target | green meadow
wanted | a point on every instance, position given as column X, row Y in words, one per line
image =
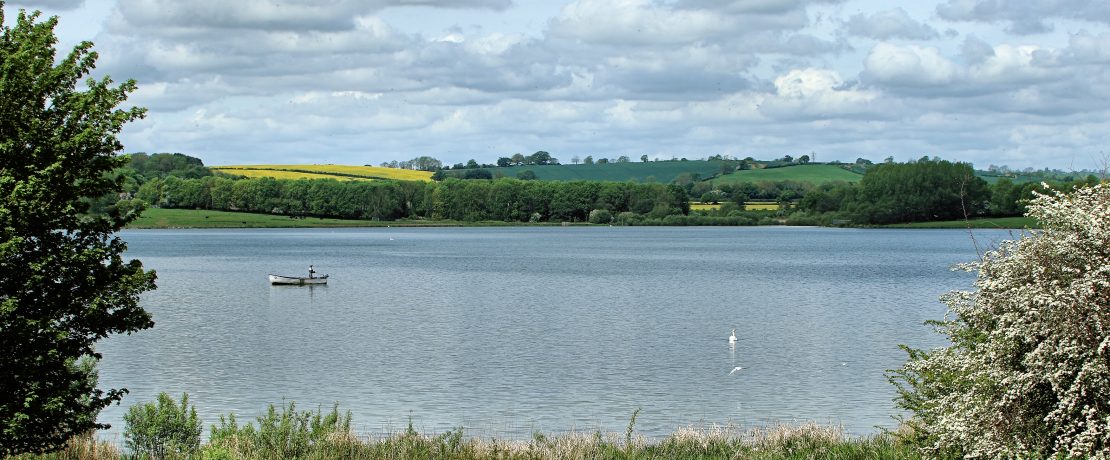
column 653, row 171
column 816, row 174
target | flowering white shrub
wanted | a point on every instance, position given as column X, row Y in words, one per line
column 1027, row 373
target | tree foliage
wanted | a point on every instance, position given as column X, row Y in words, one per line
column 63, row 281
column 1027, row 373
column 166, row 164
column 920, row 191
column 502, row 199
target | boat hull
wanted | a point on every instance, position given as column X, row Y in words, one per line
column 297, row 280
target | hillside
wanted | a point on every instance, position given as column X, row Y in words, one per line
column 817, row 174
column 338, row 172
column 654, row 171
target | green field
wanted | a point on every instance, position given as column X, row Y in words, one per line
column 816, row 174
column 979, row 222
column 653, row 171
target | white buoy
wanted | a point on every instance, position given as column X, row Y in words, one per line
column 732, row 338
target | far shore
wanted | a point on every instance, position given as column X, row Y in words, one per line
column 159, row 218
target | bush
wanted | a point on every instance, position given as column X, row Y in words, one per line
column 628, row 218
column 286, row 434
column 600, row 216
column 1027, row 373
column 162, row 429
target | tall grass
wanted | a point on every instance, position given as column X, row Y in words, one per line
column 84, row 447
column 286, row 433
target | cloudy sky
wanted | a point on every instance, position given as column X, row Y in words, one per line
column 1024, row 83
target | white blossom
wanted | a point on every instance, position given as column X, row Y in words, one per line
column 1027, row 373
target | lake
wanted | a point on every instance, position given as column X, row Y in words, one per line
column 507, row 331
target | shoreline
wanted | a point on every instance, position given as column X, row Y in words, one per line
column 171, row 219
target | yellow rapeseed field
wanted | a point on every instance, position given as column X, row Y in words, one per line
column 749, row 206
column 335, row 171
column 704, row 207
column 279, row 174
column 761, row 206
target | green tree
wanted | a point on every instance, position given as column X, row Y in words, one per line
column 478, row 174
column 644, row 158
column 1026, row 372
column 713, row 196
column 920, row 191
column 600, row 216
column 426, row 163
column 63, row 281
column 541, row 158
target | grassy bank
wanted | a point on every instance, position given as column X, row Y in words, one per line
column 191, row 218
column 982, row 222
column 781, row 442
column 199, row 218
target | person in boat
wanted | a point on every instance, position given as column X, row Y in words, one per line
column 311, row 272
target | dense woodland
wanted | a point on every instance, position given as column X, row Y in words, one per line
column 916, row 191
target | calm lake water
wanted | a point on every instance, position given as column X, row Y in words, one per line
column 505, row 331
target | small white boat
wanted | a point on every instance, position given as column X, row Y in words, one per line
column 299, row 280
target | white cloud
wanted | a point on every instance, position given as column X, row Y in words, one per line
column 770, row 7
column 910, row 65
column 63, row 5
column 1025, row 16
column 975, row 50
column 817, row 93
column 885, row 25
column 1089, row 49
column 1009, row 64
column 637, row 22
column 271, row 14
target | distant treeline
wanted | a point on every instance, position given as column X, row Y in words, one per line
column 501, row 200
